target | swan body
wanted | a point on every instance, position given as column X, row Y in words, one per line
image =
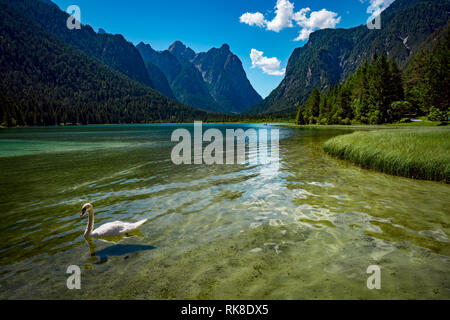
column 111, row 229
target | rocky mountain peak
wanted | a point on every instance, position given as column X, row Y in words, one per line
column 179, row 50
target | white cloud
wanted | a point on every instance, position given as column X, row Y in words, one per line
column 378, row 6
column 269, row 66
column 381, row 3
column 285, row 16
column 253, row 19
column 317, row 20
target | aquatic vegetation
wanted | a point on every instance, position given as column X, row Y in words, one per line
column 420, row 153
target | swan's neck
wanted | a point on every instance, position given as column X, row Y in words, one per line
column 90, row 225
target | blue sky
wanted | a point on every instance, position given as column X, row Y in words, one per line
column 203, row 24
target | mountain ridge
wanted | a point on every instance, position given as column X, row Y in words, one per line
column 45, row 81
column 113, row 50
column 218, row 76
column 331, row 55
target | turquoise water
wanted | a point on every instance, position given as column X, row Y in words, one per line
column 306, row 230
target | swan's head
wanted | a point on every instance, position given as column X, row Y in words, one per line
column 85, row 208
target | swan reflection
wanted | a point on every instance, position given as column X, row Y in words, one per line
column 114, row 250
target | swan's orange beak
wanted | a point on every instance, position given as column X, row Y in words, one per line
column 83, row 212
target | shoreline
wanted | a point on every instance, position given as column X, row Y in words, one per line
column 415, row 154
column 278, row 123
column 142, row 124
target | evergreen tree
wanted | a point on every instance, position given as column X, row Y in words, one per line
column 312, row 106
column 416, row 83
column 438, row 75
column 299, row 120
column 360, row 94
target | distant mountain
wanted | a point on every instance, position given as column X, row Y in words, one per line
column 157, row 76
column 113, row 50
column 226, row 79
column 184, row 79
column 213, row 80
column 331, row 55
column 179, row 50
column 45, row 81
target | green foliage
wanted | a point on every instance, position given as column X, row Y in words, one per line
column 436, row 114
column 398, row 109
column 427, row 79
column 46, row 82
column 375, row 93
column 405, row 120
column 113, row 50
column 366, row 97
column 420, row 154
column 299, row 119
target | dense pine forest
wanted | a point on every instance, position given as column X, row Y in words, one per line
column 46, row 82
column 378, row 92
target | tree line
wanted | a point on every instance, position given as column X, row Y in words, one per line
column 379, row 92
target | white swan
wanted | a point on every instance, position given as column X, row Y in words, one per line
column 111, row 229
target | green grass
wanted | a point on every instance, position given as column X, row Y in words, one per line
column 420, row 153
column 424, row 123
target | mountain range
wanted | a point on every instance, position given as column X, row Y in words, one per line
column 331, row 55
column 216, row 80
column 51, row 75
column 213, row 80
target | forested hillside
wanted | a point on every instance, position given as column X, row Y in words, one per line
column 112, row 50
column 44, row 81
column 378, row 92
column 332, row 55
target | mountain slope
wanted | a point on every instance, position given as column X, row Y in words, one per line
column 331, row 55
column 157, row 76
column 44, row 81
column 159, row 80
column 226, row 79
column 184, row 79
column 213, row 80
column 113, row 50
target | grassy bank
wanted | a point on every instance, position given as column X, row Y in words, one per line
column 419, row 154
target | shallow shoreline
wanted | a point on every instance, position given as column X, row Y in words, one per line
column 417, row 154
column 144, row 124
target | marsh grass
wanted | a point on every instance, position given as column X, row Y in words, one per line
column 420, row 154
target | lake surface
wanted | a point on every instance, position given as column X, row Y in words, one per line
column 308, row 229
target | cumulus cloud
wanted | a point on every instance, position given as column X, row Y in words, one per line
column 285, row 16
column 377, row 6
column 269, row 66
column 317, row 20
column 253, row 19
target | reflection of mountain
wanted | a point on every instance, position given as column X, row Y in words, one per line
column 213, row 80
column 331, row 55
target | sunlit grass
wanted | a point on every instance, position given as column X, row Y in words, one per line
column 419, row 154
